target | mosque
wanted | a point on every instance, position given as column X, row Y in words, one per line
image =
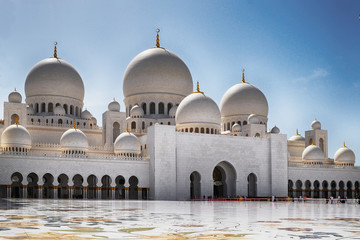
column 170, row 143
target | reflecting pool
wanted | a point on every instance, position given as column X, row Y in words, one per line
column 86, row 219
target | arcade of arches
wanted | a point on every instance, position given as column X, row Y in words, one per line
column 75, row 188
column 323, row 189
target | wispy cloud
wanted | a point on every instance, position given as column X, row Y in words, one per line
column 316, row 74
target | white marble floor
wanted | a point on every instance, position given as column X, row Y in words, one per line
column 69, row 219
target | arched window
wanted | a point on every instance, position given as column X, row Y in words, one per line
column 66, row 108
column 196, row 130
column 43, row 106
column 321, row 144
column 50, row 107
column 133, row 125
column 71, row 109
column 14, row 118
column 60, row 121
column 152, row 108
column 202, row 130
column 169, row 107
column 257, row 135
column 161, row 108
column 169, row 123
column 36, row 107
column 143, row 125
column 130, row 107
column 191, row 130
column 244, row 122
column 116, row 130
column 143, row 105
column 77, row 111
column 228, row 126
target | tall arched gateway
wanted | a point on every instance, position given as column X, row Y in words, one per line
column 224, row 180
column 195, row 186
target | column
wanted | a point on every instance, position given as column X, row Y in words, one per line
column 55, row 188
column 126, row 192
column 8, row 191
column 85, row 191
column 98, row 192
column 71, row 190
column 140, row 193
column 40, row 188
column 112, row 191
column 312, row 192
column 24, row 188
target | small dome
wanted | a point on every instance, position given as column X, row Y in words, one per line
column 297, row 137
column 236, row 128
column 244, row 99
column 313, row 153
column 86, row 115
column 136, row 111
column 315, row 124
column 253, row 119
column 344, row 155
column 30, row 110
column 198, row 110
column 15, row 97
column 275, row 130
column 59, row 111
column 114, row 106
column 157, row 70
column 74, row 140
column 94, row 121
column 16, row 136
column 127, row 143
column 54, row 77
column 172, row 112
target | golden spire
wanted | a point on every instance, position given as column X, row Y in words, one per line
column 198, row 88
column 297, row 132
column 344, row 145
column 55, row 51
column 157, row 38
column 17, row 120
column 312, row 141
column 74, row 125
column 127, row 128
column 243, row 75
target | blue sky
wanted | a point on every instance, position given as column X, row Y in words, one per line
column 303, row 55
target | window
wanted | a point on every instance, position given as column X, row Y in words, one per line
column 161, row 108
column 152, row 108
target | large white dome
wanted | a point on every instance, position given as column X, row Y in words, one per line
column 313, row 153
column 157, row 70
column 54, row 77
column 74, row 140
column 198, row 110
column 127, row 143
column 16, row 136
column 244, row 99
column 344, row 155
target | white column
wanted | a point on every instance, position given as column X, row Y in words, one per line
column 85, row 192
column 139, row 193
column 126, row 192
column 24, row 189
column 71, row 190
column 55, row 188
column 40, row 188
column 112, row 187
column 8, row 191
column 98, row 192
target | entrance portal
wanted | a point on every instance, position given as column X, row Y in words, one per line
column 224, row 180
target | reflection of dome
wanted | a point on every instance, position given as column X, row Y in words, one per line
column 315, row 124
column 157, row 70
column 275, row 130
column 136, row 112
column 236, row 128
column 253, row 119
column 74, row 141
column 86, row 115
column 114, row 106
column 172, row 111
column 16, row 138
column 127, row 143
column 313, row 153
column 15, row 97
column 59, row 110
column 244, row 99
column 344, row 156
column 197, row 110
column 54, row 77
column 29, row 110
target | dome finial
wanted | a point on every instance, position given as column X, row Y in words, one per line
column 127, row 128
column 55, row 50
column 16, row 120
column 14, row 89
column 297, row 132
column 74, row 125
column 344, row 145
column 243, row 75
column 312, row 141
column 157, row 38
column 198, row 88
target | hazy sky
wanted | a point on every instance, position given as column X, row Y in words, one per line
column 303, row 55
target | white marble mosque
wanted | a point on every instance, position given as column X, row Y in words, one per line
column 170, row 142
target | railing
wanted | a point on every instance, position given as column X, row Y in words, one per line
column 304, row 165
column 63, row 125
